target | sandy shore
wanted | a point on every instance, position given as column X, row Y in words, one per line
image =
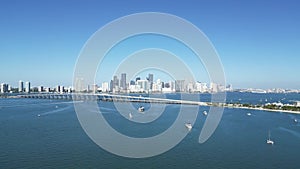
column 262, row 109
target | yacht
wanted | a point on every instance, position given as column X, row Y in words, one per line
column 141, row 109
column 269, row 141
column 188, row 126
column 205, row 113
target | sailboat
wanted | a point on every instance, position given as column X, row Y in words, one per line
column 269, row 141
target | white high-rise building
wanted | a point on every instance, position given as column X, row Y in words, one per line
column 214, row 87
column 21, row 86
column 144, row 85
column 201, row 87
column 27, row 87
column 105, row 87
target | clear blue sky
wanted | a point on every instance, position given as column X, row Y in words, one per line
column 258, row 41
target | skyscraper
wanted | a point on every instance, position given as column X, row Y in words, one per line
column 123, row 81
column 179, row 85
column 150, row 79
column 111, row 86
column 116, row 82
column 27, row 87
column 4, row 88
column 21, row 86
column 143, row 84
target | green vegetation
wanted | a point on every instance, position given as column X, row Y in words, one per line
column 291, row 108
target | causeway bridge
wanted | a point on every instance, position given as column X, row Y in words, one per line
column 108, row 97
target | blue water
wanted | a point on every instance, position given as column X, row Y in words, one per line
column 56, row 139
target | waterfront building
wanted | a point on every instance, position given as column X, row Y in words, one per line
column 144, row 85
column 214, row 87
column 115, row 82
column 190, row 87
column 150, row 79
column 111, row 86
column 105, row 87
column 179, row 86
column 47, row 89
column 70, row 89
column 40, row 89
column 4, row 88
column 201, row 87
column 27, row 87
column 57, row 89
column 94, row 88
column 123, row 81
column 21, row 86
column 62, row 89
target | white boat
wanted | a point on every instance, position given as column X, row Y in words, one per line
column 39, row 115
column 141, row 109
column 205, row 113
column 269, row 141
column 188, row 126
column 130, row 115
column 295, row 120
column 249, row 114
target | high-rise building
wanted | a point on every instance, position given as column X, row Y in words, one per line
column 21, row 86
column 111, row 86
column 179, row 85
column 40, row 89
column 57, row 89
column 143, row 84
column 27, row 87
column 95, row 88
column 4, row 88
column 123, row 81
column 105, row 87
column 116, row 81
column 214, row 87
column 62, row 89
column 150, row 79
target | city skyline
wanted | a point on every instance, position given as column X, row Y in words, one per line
column 138, row 84
column 257, row 41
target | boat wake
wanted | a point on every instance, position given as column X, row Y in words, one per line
column 56, row 110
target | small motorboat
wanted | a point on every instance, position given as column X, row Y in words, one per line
column 205, row 113
column 130, row 115
column 39, row 115
column 249, row 114
column 141, row 109
column 295, row 120
column 188, row 126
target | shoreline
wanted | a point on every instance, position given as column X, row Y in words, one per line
column 264, row 109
